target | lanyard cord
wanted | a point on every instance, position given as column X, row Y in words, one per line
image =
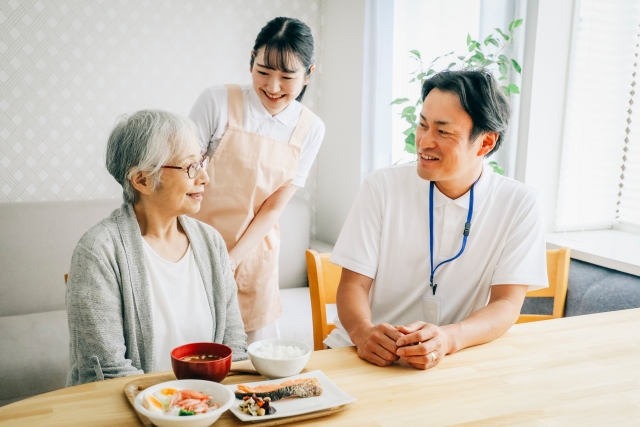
column 467, row 227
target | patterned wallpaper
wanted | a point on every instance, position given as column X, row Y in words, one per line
column 68, row 68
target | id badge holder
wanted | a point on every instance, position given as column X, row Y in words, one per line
column 430, row 309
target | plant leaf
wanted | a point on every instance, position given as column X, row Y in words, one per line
column 409, row 110
column 421, row 76
column 503, row 68
column 412, row 80
column 410, row 144
column 506, row 37
column 409, row 131
column 471, row 47
column 516, row 66
column 503, row 59
column 461, row 58
column 450, row 65
column 469, row 39
column 416, row 53
column 506, row 90
column 515, row 24
column 494, row 42
column 431, row 71
column 399, row 101
column 513, row 88
column 502, row 78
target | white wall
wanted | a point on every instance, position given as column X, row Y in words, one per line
column 68, row 69
column 340, row 106
column 544, row 85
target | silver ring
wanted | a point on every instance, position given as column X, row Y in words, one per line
column 433, row 353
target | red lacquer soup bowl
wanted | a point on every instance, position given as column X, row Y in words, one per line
column 201, row 361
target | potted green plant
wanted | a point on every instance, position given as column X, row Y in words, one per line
column 486, row 55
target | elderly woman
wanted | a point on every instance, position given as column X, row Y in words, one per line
column 149, row 278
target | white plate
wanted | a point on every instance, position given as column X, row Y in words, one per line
column 331, row 397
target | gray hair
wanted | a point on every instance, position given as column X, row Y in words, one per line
column 143, row 142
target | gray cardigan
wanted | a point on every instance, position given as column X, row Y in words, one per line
column 108, row 303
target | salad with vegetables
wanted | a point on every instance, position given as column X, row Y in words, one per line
column 172, row 401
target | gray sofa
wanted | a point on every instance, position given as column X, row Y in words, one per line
column 592, row 289
column 36, row 243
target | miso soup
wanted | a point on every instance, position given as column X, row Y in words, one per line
column 200, row 358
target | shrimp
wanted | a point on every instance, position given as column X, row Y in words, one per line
column 191, row 400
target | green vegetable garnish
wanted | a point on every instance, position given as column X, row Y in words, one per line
column 185, row 412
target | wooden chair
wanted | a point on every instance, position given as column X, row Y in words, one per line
column 323, row 286
column 558, row 272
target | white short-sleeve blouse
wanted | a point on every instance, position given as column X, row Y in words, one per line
column 211, row 115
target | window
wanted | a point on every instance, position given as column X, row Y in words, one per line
column 432, row 27
column 599, row 184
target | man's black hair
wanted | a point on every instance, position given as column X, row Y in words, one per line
column 479, row 96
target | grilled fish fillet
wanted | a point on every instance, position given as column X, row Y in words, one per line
column 304, row 387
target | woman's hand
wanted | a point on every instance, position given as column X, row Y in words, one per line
column 423, row 345
column 232, row 264
column 262, row 223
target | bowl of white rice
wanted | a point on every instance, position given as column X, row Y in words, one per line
column 279, row 358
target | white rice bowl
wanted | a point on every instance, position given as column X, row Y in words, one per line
column 279, row 358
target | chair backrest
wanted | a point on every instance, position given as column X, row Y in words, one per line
column 324, row 278
column 558, row 271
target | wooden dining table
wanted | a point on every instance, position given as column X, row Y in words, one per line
column 576, row 371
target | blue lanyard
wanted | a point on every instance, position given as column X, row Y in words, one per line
column 467, row 227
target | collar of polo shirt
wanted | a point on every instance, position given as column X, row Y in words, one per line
column 481, row 191
column 259, row 112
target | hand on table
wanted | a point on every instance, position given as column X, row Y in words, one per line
column 377, row 343
column 419, row 340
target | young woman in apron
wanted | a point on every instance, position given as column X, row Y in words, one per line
column 262, row 142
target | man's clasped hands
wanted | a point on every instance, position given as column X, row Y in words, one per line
column 420, row 344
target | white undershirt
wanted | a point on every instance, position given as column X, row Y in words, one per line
column 386, row 237
column 179, row 307
column 210, row 113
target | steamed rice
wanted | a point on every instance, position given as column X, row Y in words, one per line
column 270, row 351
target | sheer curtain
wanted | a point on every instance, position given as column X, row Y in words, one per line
column 376, row 85
column 599, row 183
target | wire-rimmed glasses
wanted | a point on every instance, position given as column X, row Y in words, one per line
column 194, row 168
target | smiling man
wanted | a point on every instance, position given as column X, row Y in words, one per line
column 440, row 260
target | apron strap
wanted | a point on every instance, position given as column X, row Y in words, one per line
column 302, row 128
column 235, row 106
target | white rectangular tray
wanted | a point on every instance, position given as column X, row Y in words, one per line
column 331, row 397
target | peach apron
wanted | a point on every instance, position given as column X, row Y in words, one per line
column 245, row 170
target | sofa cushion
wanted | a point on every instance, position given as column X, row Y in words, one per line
column 296, row 322
column 34, row 354
column 595, row 289
column 36, row 244
column 295, row 226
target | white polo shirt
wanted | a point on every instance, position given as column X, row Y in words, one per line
column 386, row 237
column 211, row 115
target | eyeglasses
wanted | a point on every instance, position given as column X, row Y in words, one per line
column 194, row 168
